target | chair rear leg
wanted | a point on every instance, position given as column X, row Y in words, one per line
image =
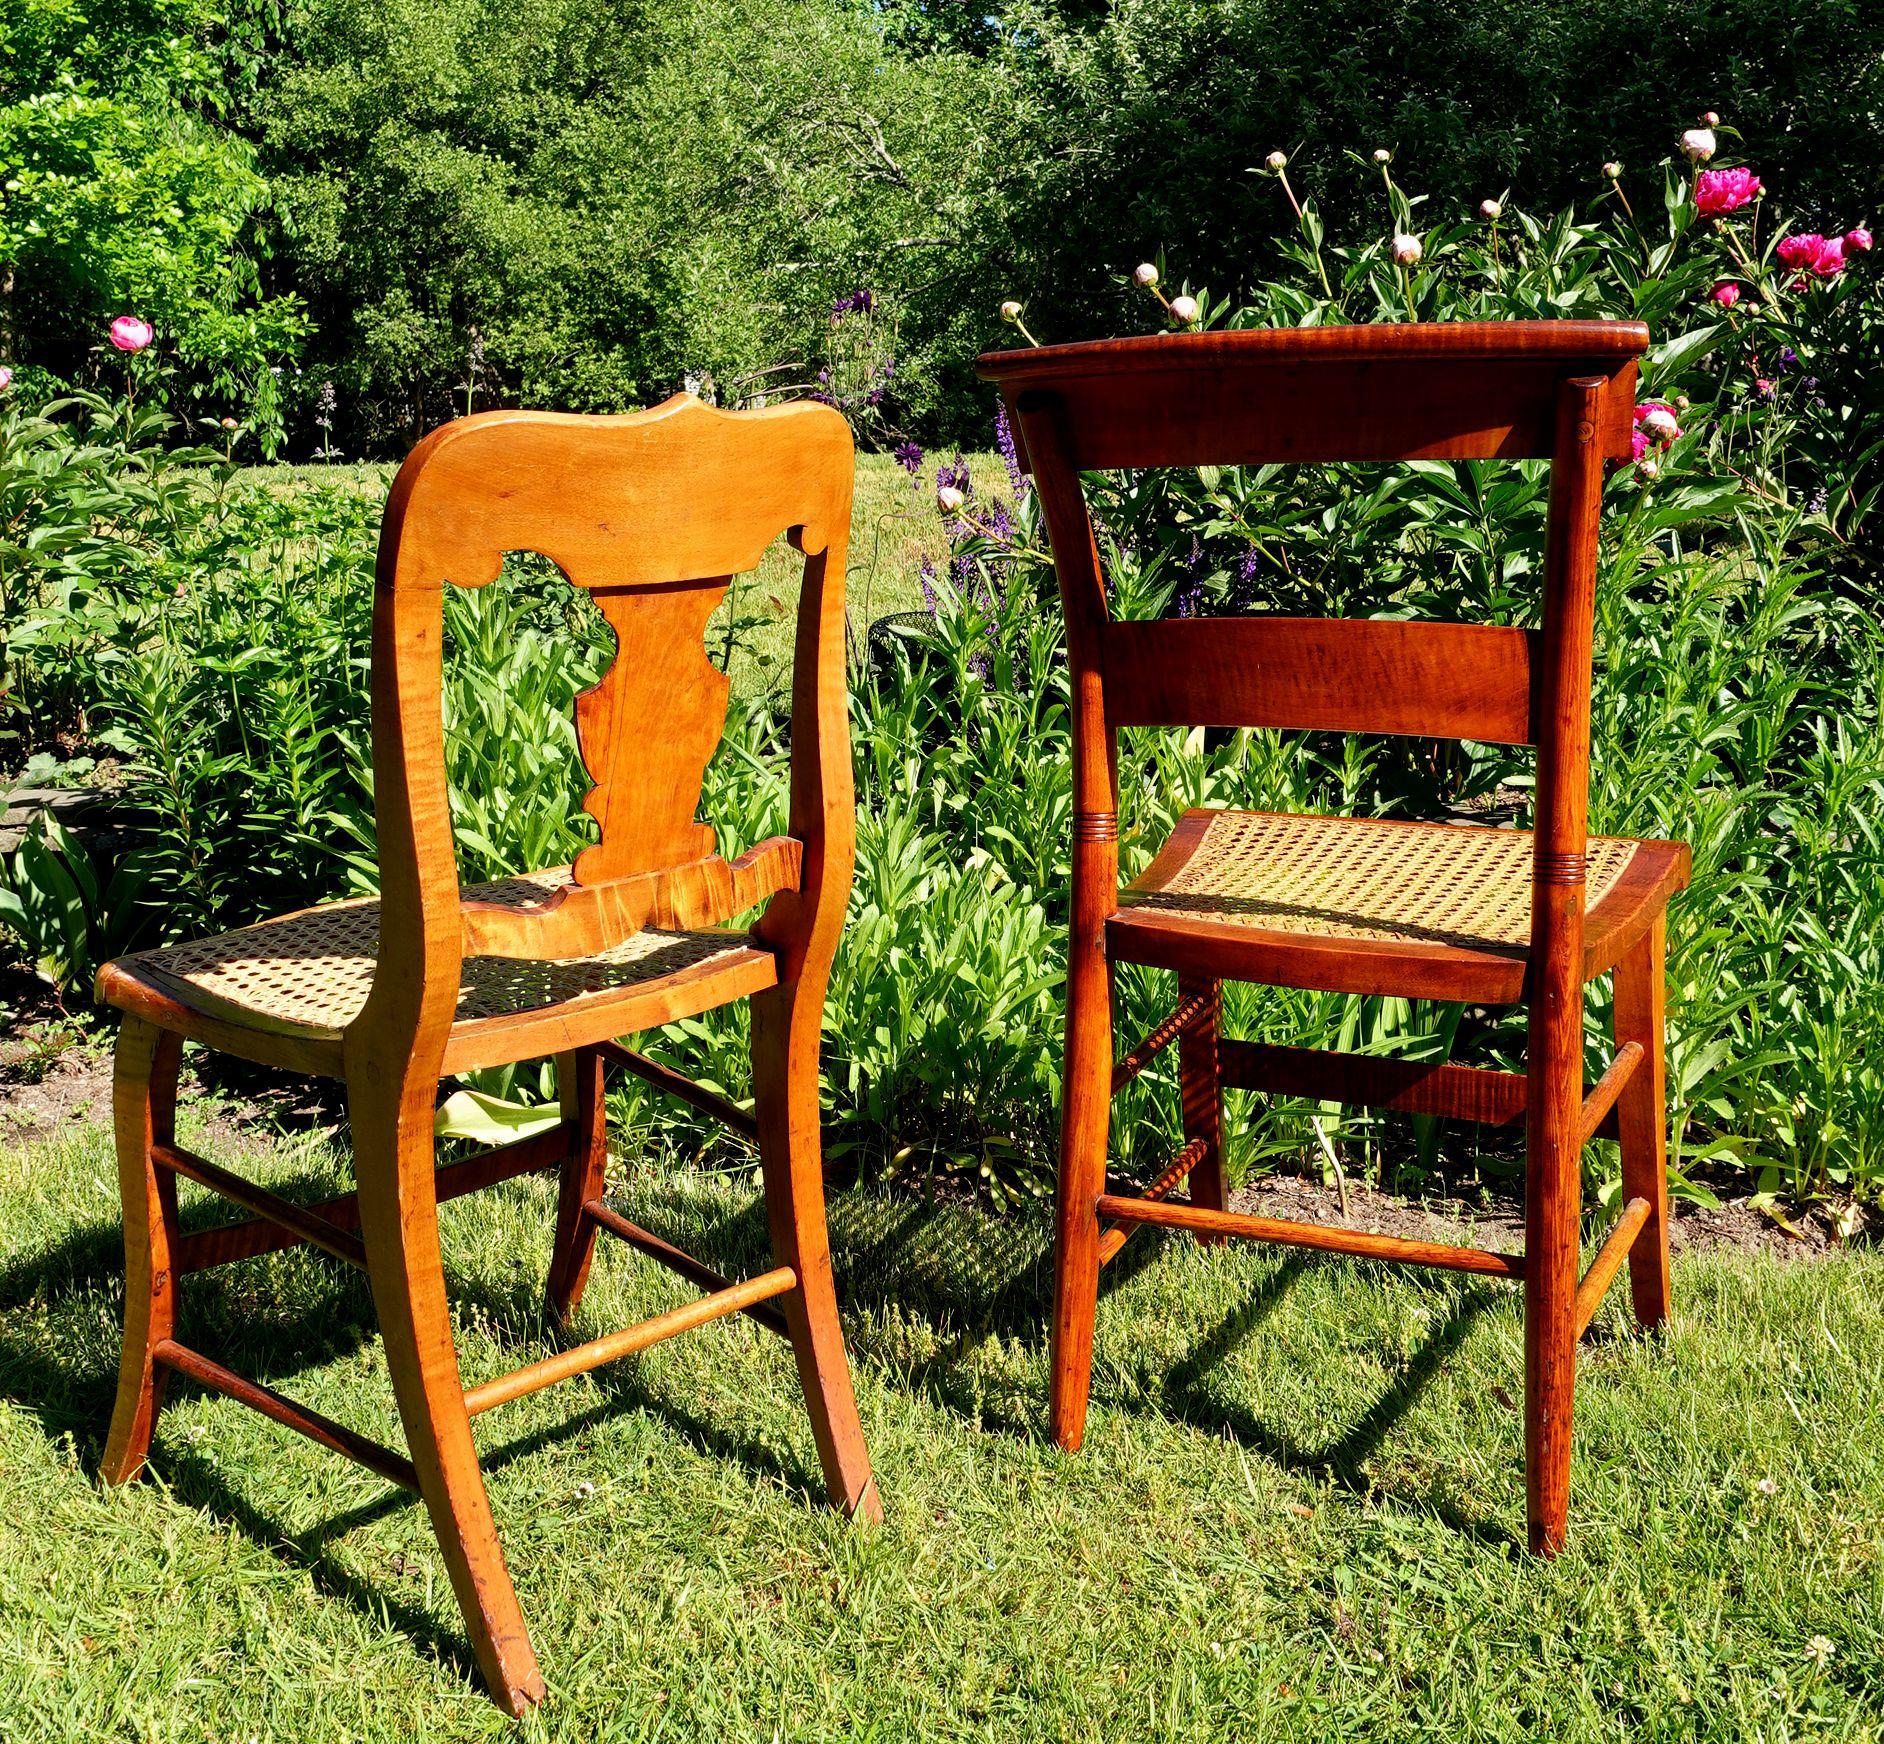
column 584, row 1177
column 1085, row 1128
column 393, row 1151
column 1201, row 1078
column 787, row 1023
column 144, row 1104
column 1642, row 1118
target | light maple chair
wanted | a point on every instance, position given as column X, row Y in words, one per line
column 652, row 514
column 1424, row 911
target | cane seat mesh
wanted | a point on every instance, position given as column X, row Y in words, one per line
column 1463, row 885
column 315, row 968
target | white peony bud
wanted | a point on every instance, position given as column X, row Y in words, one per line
column 1383, row 156
column 1648, row 468
column 1277, row 162
column 1490, row 209
column 1699, row 144
column 1660, row 423
column 1710, row 119
column 949, row 500
column 1010, row 311
column 1184, row 310
column 1407, row 249
column 1146, row 277
column 1613, row 170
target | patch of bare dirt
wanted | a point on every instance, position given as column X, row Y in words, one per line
column 1497, row 1221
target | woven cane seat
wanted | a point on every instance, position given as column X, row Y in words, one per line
column 1306, row 892
column 310, row 973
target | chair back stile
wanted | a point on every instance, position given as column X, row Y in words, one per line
column 651, row 514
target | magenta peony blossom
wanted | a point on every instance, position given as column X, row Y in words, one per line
column 1721, row 191
column 6, row 378
column 1654, row 423
column 1859, row 240
column 1822, row 256
column 1726, row 293
column 130, row 333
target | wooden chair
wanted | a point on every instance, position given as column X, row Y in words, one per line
column 652, row 514
column 1427, row 911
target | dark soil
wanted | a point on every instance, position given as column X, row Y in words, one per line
column 1498, row 1221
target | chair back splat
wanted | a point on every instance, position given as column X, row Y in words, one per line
column 1346, row 905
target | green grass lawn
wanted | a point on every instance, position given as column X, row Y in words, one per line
column 1297, row 1515
column 894, row 524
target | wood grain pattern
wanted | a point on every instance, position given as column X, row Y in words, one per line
column 201, row 1249
column 1349, row 675
column 1608, row 1261
column 1642, row 1116
column 581, row 1358
column 1323, row 1237
column 651, row 513
column 1561, row 391
column 1432, row 391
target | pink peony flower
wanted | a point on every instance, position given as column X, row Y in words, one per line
column 130, row 333
column 6, row 378
column 1726, row 293
column 1822, row 256
column 1859, row 240
column 1720, row 191
column 1654, row 422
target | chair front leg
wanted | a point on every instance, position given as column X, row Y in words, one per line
column 1085, row 1131
column 584, row 1177
column 143, row 1105
column 787, row 1024
column 393, row 1151
column 1553, row 1190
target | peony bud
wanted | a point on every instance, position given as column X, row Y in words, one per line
column 230, row 424
column 1648, row 468
column 1010, row 311
column 1682, row 402
column 1383, row 156
column 1613, row 170
column 1407, row 249
column 1710, row 119
column 6, row 378
column 1859, row 240
column 949, row 499
column 1726, row 293
column 1660, row 423
column 1146, row 277
column 1699, row 144
column 1277, row 163
column 130, row 333
column 1184, row 310
column 1491, row 210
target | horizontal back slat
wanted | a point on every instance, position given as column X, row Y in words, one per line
column 1355, row 675
column 1438, row 392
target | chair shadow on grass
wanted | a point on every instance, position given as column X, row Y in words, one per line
column 971, row 1277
